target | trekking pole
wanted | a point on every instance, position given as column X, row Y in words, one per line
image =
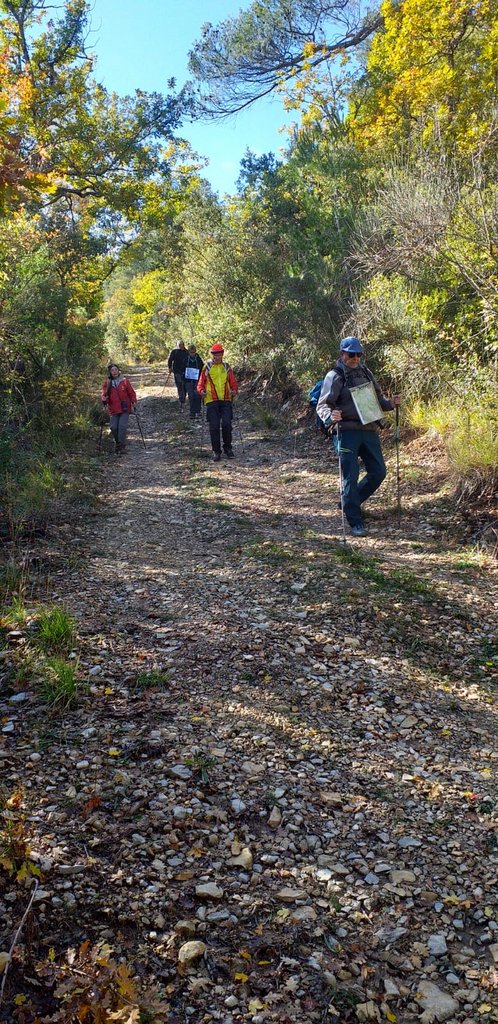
column 165, row 385
column 341, row 484
column 140, row 429
column 203, row 424
column 239, row 428
column 398, row 476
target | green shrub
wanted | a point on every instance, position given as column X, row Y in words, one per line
column 469, row 435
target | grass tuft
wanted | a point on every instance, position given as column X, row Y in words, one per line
column 55, row 630
column 369, row 569
column 153, row 680
column 15, row 614
column 58, row 684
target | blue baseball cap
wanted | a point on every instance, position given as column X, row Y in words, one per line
column 351, row 345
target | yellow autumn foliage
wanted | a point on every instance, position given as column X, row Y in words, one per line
column 432, row 69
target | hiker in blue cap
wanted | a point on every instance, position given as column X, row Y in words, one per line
column 352, row 400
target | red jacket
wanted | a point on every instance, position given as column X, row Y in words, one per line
column 118, row 399
column 207, row 385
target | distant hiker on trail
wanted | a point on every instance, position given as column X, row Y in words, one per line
column 217, row 385
column 192, row 374
column 119, row 399
column 176, row 363
column 352, row 399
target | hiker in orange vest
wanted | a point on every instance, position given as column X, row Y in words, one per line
column 217, row 385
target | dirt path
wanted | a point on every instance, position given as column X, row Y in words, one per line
column 288, row 748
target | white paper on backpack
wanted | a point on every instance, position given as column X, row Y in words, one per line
column 366, row 403
column 191, row 373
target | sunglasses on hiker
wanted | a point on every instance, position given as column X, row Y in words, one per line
column 353, row 355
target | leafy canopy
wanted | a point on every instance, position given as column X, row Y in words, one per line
column 273, row 41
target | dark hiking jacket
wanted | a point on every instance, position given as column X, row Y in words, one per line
column 178, row 360
column 336, row 394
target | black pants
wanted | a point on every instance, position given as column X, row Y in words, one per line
column 220, row 413
column 193, row 397
column 180, row 387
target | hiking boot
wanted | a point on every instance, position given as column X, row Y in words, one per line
column 358, row 531
column 230, row 454
column 216, row 456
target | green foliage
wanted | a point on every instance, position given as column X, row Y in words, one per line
column 55, row 630
column 155, row 679
column 15, row 613
column 395, row 578
column 57, row 683
column 201, row 763
column 271, row 42
column 469, row 427
column 271, row 551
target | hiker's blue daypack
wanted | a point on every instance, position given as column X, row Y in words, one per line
column 314, row 393
column 313, row 396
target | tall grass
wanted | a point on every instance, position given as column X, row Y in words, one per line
column 55, row 630
column 469, row 435
column 58, row 683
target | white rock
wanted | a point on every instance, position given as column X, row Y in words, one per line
column 251, row 768
column 438, row 1005
column 243, row 860
column 398, row 877
column 209, row 891
column 436, row 945
column 368, row 1011
column 191, row 951
column 179, row 771
column 288, row 895
column 407, row 841
column 391, row 988
column 339, row 869
column 4, row 960
column 238, row 806
column 275, row 817
column 35, row 757
column 302, row 914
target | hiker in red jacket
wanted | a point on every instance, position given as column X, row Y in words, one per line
column 119, row 399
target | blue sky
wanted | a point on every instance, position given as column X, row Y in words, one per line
column 140, row 44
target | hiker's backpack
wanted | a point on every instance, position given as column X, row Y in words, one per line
column 314, row 393
column 313, row 396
